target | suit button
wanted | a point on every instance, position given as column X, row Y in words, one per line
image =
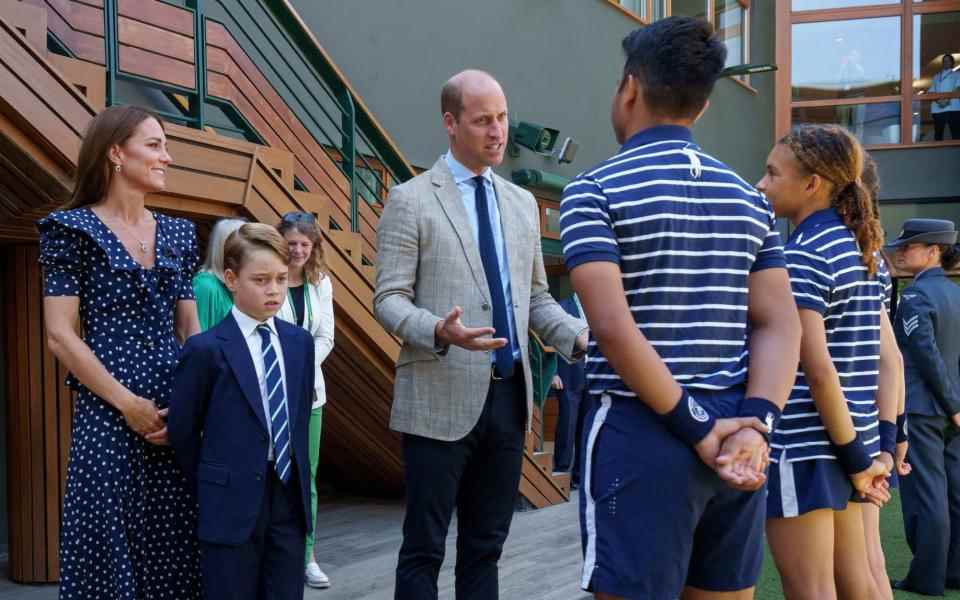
column 259, row 477
column 264, row 437
column 485, row 306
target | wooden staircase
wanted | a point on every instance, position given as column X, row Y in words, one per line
column 41, row 122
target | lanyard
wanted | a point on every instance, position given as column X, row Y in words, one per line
column 579, row 306
column 308, row 324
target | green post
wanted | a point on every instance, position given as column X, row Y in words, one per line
column 348, row 152
column 199, row 62
column 110, row 48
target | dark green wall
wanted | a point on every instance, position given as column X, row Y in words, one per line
column 559, row 62
column 918, row 182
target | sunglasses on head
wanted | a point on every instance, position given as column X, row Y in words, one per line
column 298, row 217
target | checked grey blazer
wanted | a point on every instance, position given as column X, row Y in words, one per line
column 428, row 262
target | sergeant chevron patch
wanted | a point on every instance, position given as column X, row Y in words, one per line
column 909, row 325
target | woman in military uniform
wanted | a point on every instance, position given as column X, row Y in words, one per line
column 927, row 326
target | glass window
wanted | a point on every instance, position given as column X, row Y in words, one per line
column 637, row 7
column 873, row 124
column 689, row 8
column 730, row 21
column 936, row 121
column 934, row 35
column 820, row 4
column 846, row 59
column 553, row 220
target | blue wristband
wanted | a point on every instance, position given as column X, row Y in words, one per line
column 888, row 437
column 763, row 409
column 901, row 428
column 688, row 420
column 853, row 456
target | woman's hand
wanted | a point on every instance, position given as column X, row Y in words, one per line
column 142, row 415
column 871, row 483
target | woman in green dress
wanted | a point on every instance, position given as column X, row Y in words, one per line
column 213, row 298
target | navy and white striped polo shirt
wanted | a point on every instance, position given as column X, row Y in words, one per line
column 828, row 276
column 686, row 232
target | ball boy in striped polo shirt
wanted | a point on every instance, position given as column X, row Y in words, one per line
column 681, row 275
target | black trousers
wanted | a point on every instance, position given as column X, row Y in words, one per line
column 931, row 504
column 940, row 120
column 479, row 476
column 268, row 566
column 569, row 421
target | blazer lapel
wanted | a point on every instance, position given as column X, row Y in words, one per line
column 450, row 200
column 293, row 374
column 238, row 357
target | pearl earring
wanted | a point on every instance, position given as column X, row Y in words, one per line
column 116, row 168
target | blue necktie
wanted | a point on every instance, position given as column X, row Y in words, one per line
column 491, row 267
column 277, row 401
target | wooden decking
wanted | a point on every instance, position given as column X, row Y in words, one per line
column 358, row 540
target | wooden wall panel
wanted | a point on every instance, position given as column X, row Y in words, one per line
column 40, row 410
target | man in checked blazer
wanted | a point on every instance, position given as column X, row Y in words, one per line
column 460, row 279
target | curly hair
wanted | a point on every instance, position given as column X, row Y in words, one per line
column 836, row 156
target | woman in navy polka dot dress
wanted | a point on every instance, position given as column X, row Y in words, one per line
column 128, row 520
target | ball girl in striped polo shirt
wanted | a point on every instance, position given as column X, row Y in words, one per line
column 891, row 401
column 824, row 447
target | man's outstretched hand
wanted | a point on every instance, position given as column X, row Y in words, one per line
column 451, row 331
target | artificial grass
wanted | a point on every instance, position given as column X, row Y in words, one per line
column 894, row 547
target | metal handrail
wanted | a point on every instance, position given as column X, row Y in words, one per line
column 353, row 126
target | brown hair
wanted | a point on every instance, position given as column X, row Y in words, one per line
column 871, row 181
column 950, row 256
column 832, row 153
column 315, row 268
column 250, row 237
column 111, row 127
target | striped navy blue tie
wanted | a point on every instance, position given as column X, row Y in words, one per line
column 277, row 401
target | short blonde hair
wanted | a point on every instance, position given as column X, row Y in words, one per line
column 218, row 236
column 250, row 237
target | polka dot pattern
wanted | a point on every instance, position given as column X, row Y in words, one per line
column 128, row 530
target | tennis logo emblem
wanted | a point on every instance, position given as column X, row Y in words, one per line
column 769, row 422
column 696, row 411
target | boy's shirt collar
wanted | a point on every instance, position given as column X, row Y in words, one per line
column 248, row 325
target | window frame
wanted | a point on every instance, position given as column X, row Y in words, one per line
column 906, row 10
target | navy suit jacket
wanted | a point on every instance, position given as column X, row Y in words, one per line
column 572, row 375
column 218, row 430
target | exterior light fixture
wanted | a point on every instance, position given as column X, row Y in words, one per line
column 534, row 137
column 749, row 69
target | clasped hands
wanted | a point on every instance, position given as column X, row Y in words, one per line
column 736, row 449
column 143, row 416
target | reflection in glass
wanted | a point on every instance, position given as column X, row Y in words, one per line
column 637, row 7
column 553, row 219
column 846, row 59
column 933, row 36
column 689, row 8
column 926, row 127
column 818, row 4
column 873, row 124
column 730, row 23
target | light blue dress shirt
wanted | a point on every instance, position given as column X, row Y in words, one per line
column 463, row 177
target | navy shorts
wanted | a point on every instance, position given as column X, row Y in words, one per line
column 796, row 488
column 653, row 517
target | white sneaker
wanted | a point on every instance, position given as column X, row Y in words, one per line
column 315, row 577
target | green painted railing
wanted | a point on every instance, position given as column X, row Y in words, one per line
column 323, row 101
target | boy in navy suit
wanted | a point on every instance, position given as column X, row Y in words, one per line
column 238, row 424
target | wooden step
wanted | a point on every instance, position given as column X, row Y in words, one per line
column 369, row 272
column 545, row 460
column 563, row 480
column 318, row 204
column 349, row 242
